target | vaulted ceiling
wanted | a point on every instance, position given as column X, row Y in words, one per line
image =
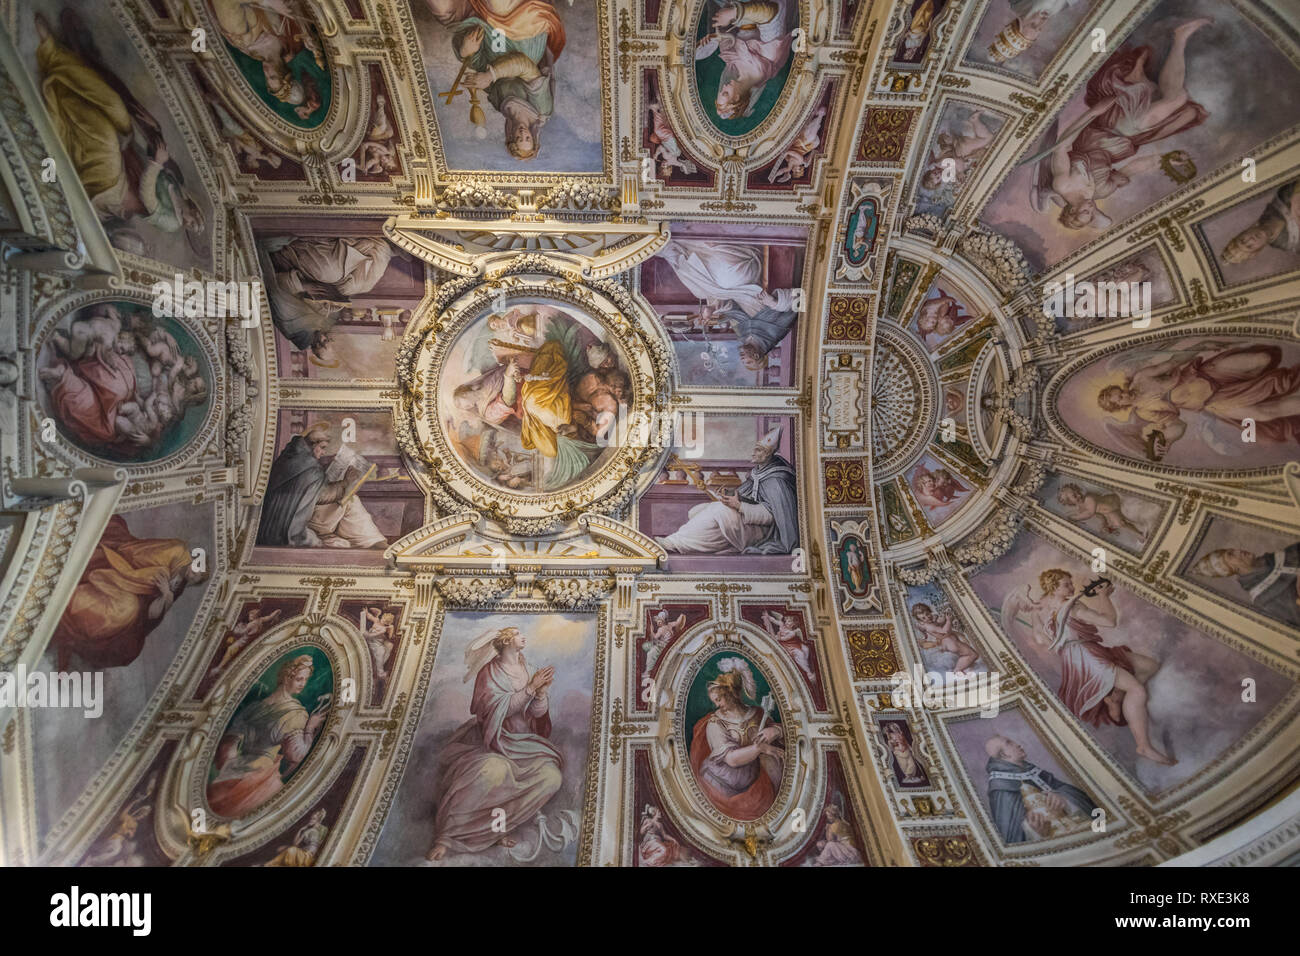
column 736, row 359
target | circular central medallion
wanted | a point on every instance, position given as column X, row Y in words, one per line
column 533, row 397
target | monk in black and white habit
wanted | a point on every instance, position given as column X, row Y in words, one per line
column 308, row 505
column 1027, row 802
column 761, row 518
column 1271, row 580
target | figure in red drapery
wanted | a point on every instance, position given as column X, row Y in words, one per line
column 736, row 752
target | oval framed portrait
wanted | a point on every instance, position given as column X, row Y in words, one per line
column 272, row 732
column 734, row 739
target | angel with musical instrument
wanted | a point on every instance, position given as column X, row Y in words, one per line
column 1100, row 683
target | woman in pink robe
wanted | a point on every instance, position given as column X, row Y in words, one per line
column 85, row 394
column 1231, row 384
column 1100, row 683
column 500, row 760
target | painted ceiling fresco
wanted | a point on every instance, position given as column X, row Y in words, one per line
column 613, row 417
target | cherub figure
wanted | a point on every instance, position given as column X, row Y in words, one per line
column 944, row 632
column 1083, row 505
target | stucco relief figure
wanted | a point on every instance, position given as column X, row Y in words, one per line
column 1127, row 110
column 1029, row 803
column 1100, row 683
column 127, row 589
column 309, row 505
column 499, row 765
column 266, row 741
column 761, row 518
column 737, row 750
column 115, row 144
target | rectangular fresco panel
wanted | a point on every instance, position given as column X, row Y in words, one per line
column 516, row 87
column 503, row 736
column 1124, row 668
column 962, row 136
column 941, row 632
column 1016, row 776
column 1122, row 518
column 1258, row 238
column 1169, row 105
column 1024, row 35
column 730, row 297
column 733, row 507
column 1255, row 568
column 340, row 295
column 338, row 492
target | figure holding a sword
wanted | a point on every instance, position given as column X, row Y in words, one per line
column 1101, row 151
